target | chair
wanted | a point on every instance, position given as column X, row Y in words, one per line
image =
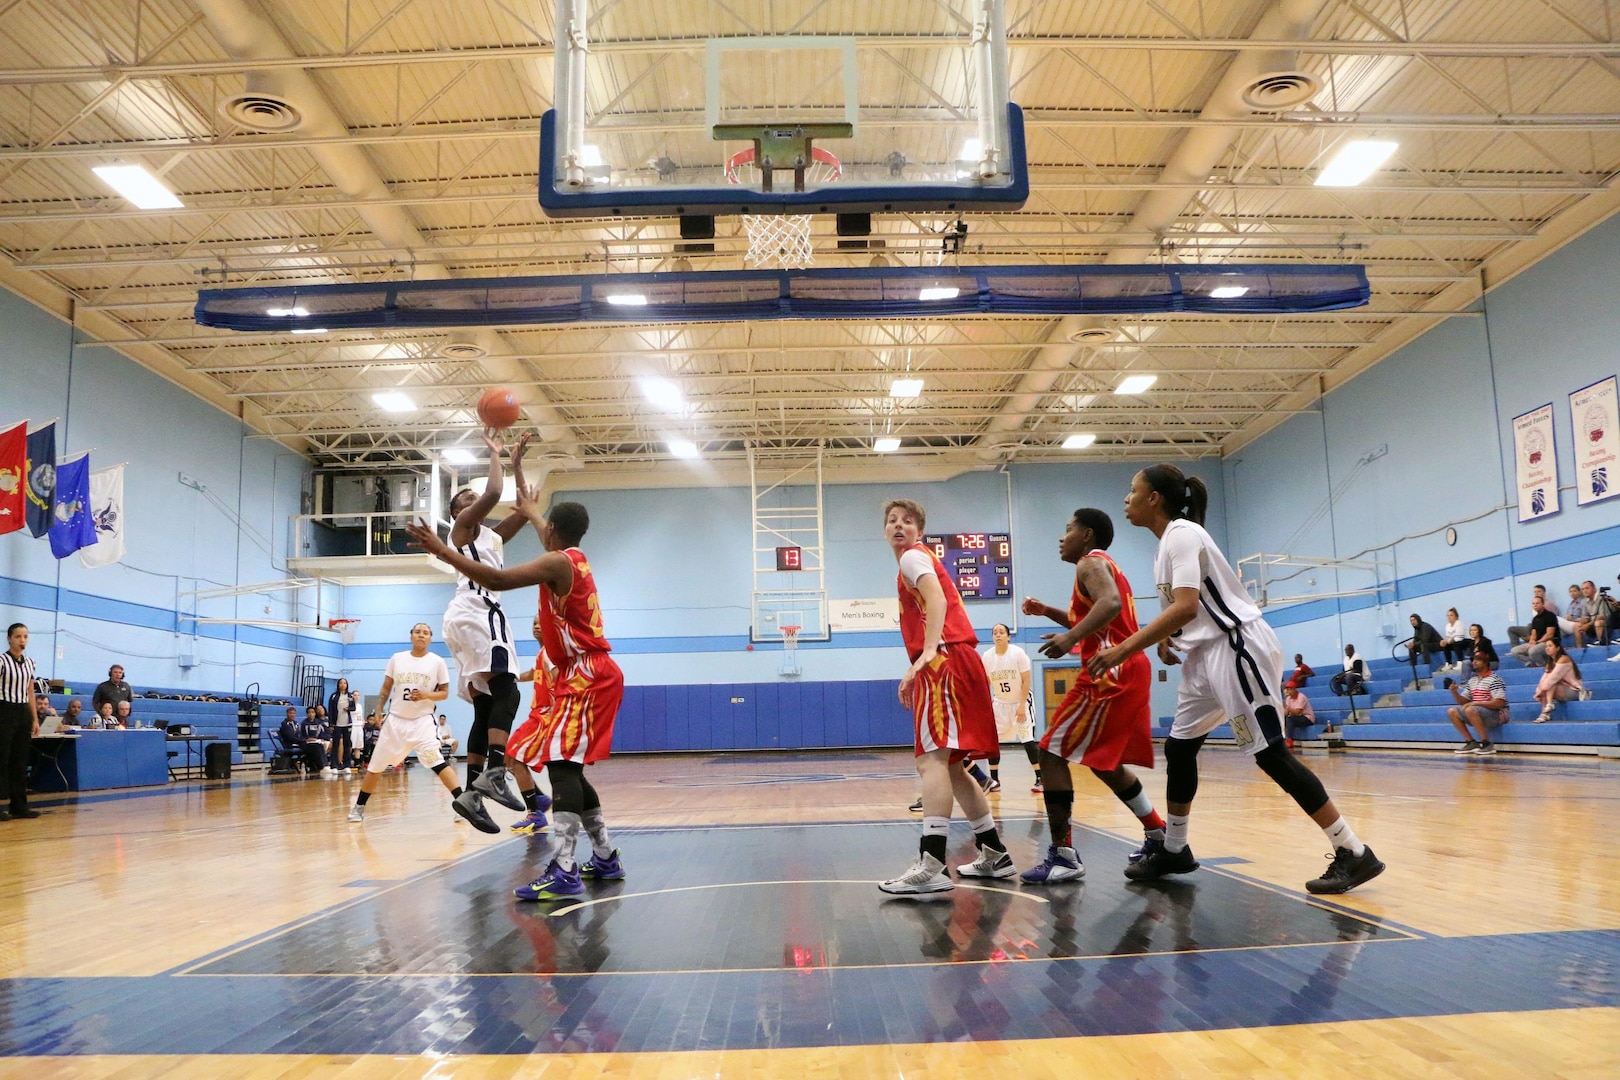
column 283, row 760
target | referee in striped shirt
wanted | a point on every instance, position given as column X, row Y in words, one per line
column 18, row 724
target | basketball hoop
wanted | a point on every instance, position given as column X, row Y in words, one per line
column 346, row 628
column 790, row 650
column 781, row 238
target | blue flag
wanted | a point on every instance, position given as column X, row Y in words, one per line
column 72, row 527
column 41, row 473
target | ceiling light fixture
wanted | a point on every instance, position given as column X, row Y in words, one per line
column 479, row 484
column 906, row 388
column 1355, row 161
column 393, row 401
column 137, row 185
column 312, row 330
column 886, row 445
column 627, row 300
column 458, row 455
column 683, row 448
column 283, row 312
column 1135, row 384
column 939, row 292
column 1229, row 292
column 1079, row 441
column 663, row 394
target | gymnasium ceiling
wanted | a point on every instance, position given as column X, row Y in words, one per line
column 417, row 158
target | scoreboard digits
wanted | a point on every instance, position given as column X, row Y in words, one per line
column 980, row 564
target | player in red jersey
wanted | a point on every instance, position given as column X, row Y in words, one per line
column 540, row 675
column 949, row 697
column 1105, row 723
column 577, row 729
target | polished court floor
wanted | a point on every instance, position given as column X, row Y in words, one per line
column 245, row 929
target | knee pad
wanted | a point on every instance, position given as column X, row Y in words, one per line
column 1292, row 775
column 567, row 786
column 504, row 699
column 1181, row 769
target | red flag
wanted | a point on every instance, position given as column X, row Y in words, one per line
column 13, row 459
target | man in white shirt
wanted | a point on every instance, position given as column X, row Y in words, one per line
column 412, row 683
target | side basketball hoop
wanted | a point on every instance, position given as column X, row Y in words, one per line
column 780, row 238
column 346, row 628
column 790, row 651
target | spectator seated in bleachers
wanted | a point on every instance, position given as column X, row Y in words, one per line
column 1302, row 671
column 1599, row 608
column 304, row 738
column 104, row 716
column 123, row 712
column 1576, row 621
column 1518, row 634
column 1455, row 643
column 1532, row 651
column 1298, row 716
column 1354, row 675
column 1425, row 640
column 1561, row 681
column 43, row 707
column 1478, row 642
column 73, row 715
column 1481, row 704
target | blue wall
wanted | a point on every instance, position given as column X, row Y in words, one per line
column 178, row 539
column 1442, row 408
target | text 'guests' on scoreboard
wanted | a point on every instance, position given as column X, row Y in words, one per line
column 980, row 564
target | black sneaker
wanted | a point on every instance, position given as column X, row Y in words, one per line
column 1346, row 871
column 1156, row 864
column 1468, row 747
column 916, row 806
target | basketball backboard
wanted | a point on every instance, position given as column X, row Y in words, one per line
column 641, row 131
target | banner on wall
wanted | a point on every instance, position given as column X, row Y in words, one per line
column 71, row 528
column 13, row 469
column 107, row 515
column 1535, row 463
column 1594, row 417
column 877, row 613
column 41, row 478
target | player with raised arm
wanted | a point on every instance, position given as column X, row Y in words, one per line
column 577, row 728
column 949, row 697
column 413, row 682
column 1233, row 671
column 480, row 640
column 1104, row 722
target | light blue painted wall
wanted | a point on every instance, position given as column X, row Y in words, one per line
column 178, row 538
column 1443, row 408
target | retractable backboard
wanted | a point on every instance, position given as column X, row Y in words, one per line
column 917, row 117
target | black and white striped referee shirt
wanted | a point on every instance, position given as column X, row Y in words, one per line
column 16, row 679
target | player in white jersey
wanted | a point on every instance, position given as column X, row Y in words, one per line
column 1233, row 670
column 414, row 681
column 480, row 640
column 1007, row 667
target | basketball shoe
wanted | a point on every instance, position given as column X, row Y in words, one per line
column 990, row 863
column 608, row 869
column 555, row 884
column 1061, row 864
column 1346, row 871
column 1161, row 861
column 470, row 805
column 927, row 875
column 357, row 813
column 529, row 824
column 499, row 785
column 1150, row 844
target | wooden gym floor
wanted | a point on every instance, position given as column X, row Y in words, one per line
column 245, row 929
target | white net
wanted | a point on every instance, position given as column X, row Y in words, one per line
column 346, row 629
column 778, row 239
column 790, row 651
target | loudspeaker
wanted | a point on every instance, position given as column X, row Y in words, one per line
column 697, row 227
column 217, row 760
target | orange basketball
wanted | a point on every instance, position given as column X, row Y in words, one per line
column 498, row 408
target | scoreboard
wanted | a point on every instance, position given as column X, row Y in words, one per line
column 980, row 564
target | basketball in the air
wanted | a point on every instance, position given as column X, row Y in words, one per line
column 498, row 408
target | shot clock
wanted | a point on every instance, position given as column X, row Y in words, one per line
column 980, row 564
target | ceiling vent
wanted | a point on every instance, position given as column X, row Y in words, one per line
column 262, row 106
column 1279, row 90
column 1091, row 335
column 462, row 348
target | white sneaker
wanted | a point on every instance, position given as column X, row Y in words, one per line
column 329, row 772
column 1615, row 659
column 357, row 813
column 990, row 863
column 927, row 875
column 1584, row 695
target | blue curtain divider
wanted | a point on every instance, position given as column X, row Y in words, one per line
column 857, row 293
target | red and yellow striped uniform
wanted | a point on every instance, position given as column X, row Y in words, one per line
column 576, row 723
column 950, row 698
column 1105, row 723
